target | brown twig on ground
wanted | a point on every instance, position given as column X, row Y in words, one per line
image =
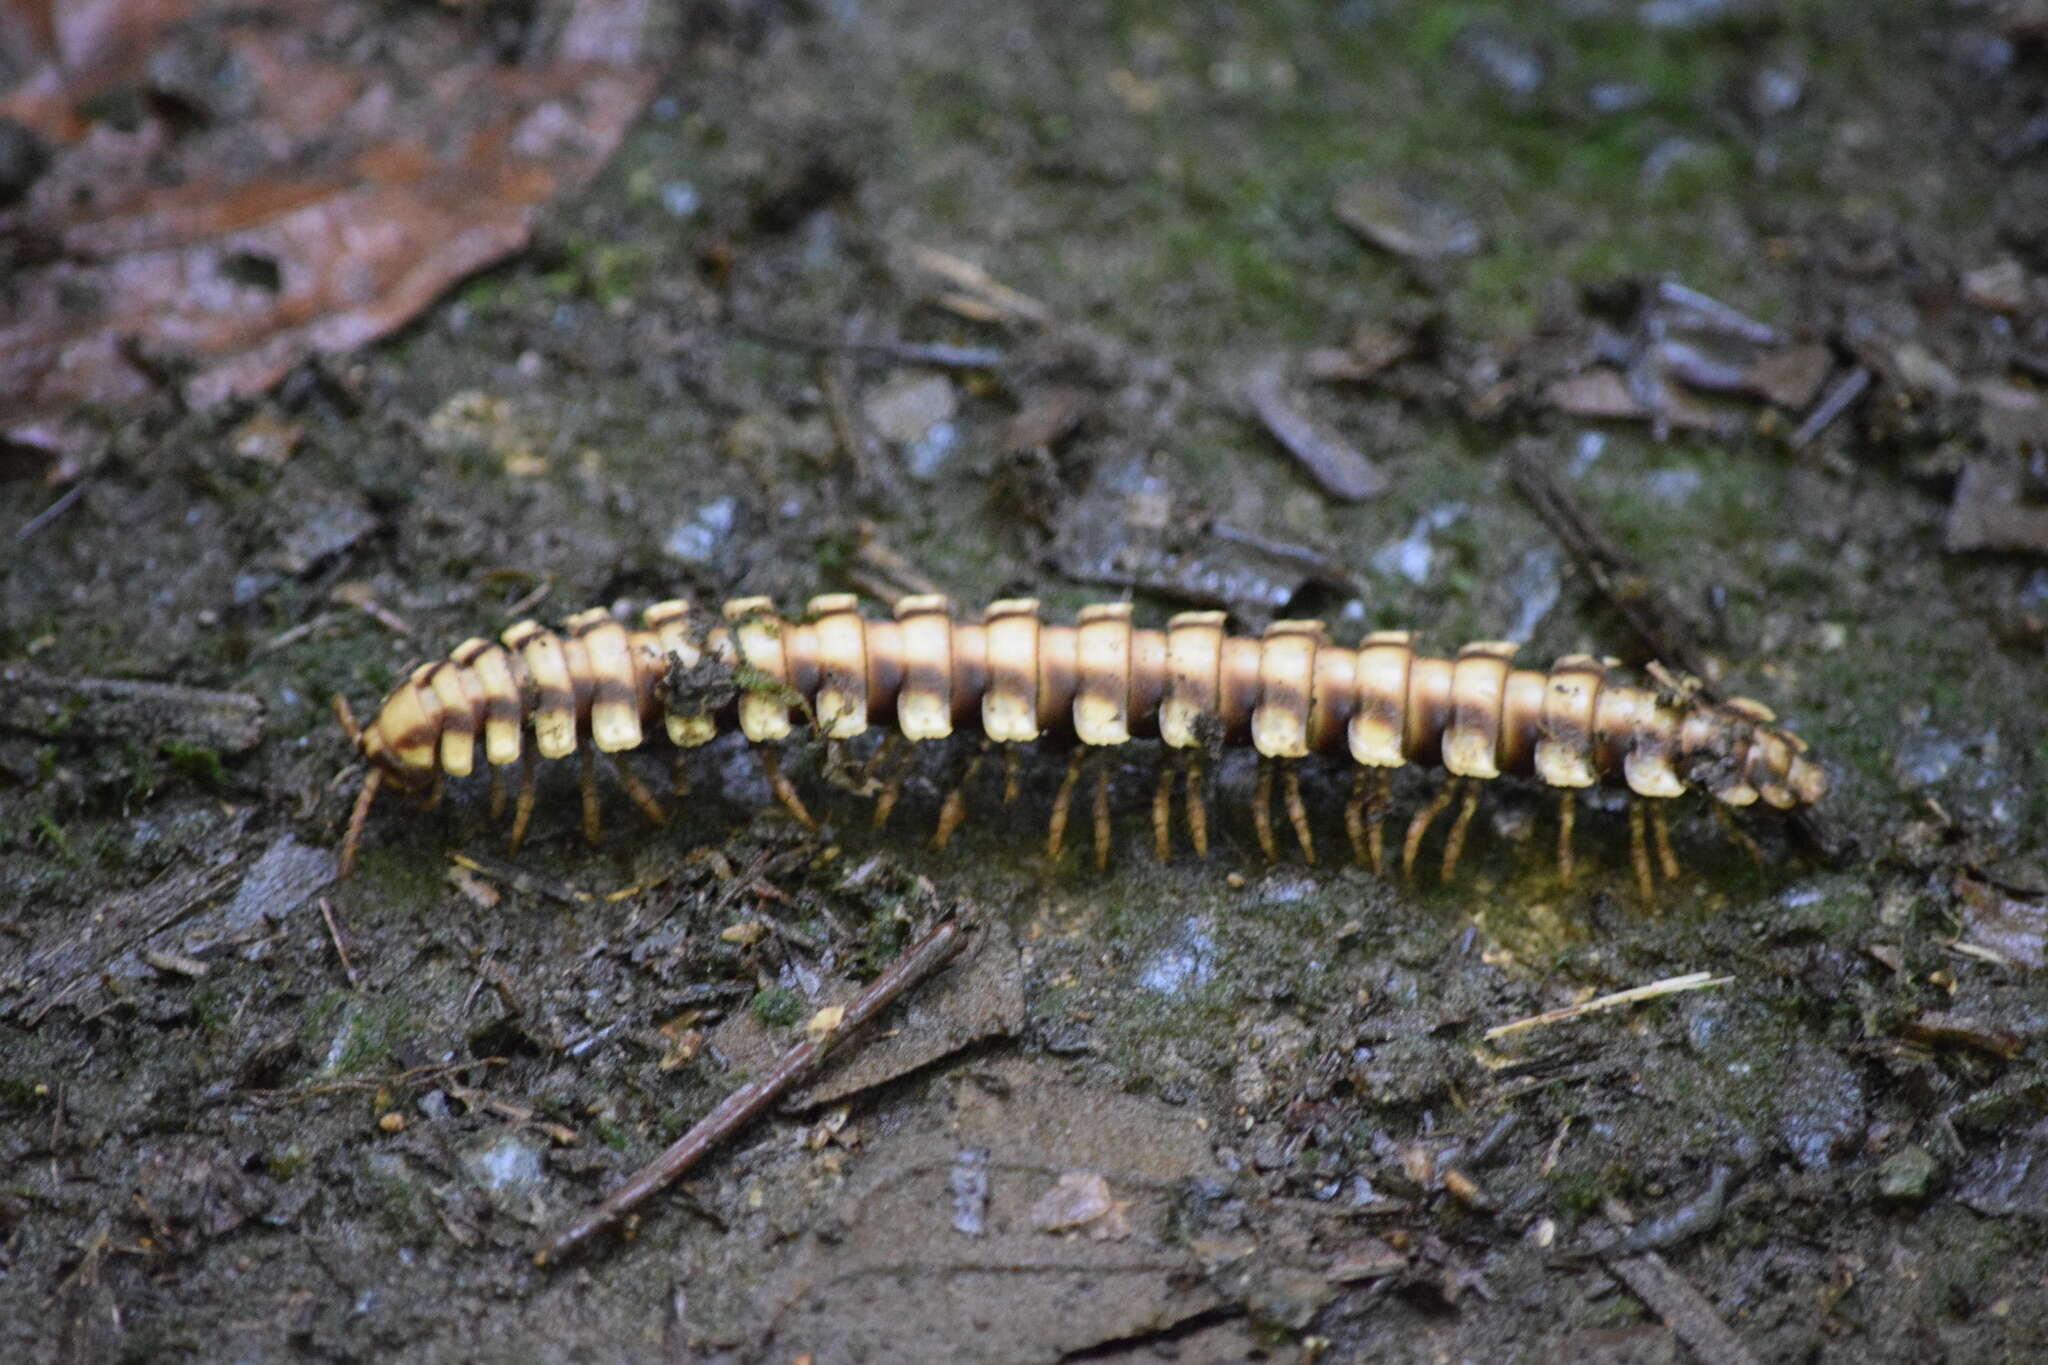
column 882, row 572
column 1684, row 1309
column 340, row 944
column 743, row 1105
column 1659, row 622
column 1833, row 404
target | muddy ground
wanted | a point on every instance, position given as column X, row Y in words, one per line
column 223, row 1139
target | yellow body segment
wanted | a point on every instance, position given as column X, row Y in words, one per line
column 1479, row 684
column 1194, row 658
column 1009, row 708
column 756, row 634
column 1102, row 699
column 924, row 706
column 842, row 701
column 1289, row 693
column 1287, row 663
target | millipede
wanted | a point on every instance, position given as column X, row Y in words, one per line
column 597, row 686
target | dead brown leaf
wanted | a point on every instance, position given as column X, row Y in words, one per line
column 269, row 200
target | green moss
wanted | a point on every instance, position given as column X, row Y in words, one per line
column 351, row 1033
column 50, row 834
column 196, row 761
column 18, row 1093
column 882, row 941
column 778, row 1007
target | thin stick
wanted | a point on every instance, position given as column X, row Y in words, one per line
column 1653, row 614
column 1670, row 985
column 51, row 513
column 739, row 1108
column 1833, row 404
column 340, row 945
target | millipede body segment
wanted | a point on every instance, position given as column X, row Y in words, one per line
column 1012, row 679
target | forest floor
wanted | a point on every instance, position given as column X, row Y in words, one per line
column 1011, row 301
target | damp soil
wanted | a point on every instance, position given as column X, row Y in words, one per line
column 250, row 1112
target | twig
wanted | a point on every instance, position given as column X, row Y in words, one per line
column 1657, row 620
column 519, row 879
column 340, row 945
column 52, row 512
column 743, row 1105
column 1832, row 404
column 1670, row 985
column 977, row 288
column 1684, row 1310
column 938, row 355
column 360, row 596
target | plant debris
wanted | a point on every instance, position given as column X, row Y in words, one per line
column 275, row 199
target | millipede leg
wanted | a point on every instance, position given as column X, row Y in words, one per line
column 953, row 810
column 1297, row 814
column 1262, row 811
column 435, row 791
column 637, row 789
column 679, row 774
column 784, row 789
column 1454, row 842
column 1354, row 815
column 1567, row 811
column 347, row 716
column 1012, row 769
column 497, row 794
column 1660, row 836
column 1162, row 811
column 886, row 750
column 1419, row 826
column 1198, row 808
column 357, row 817
column 1376, row 820
column 886, row 798
column 1056, row 829
column 1639, row 853
column 593, row 825
column 522, row 803
column 903, row 759
column 1735, row 833
column 1101, row 813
